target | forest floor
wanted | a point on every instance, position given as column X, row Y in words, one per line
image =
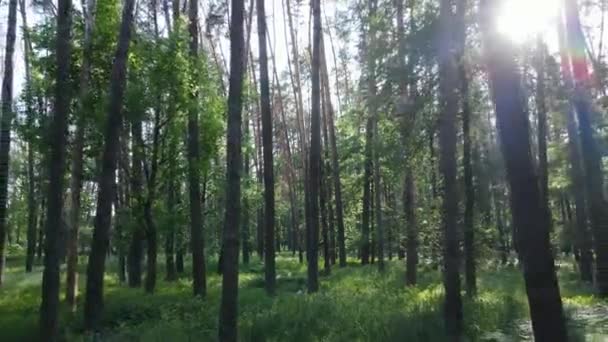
column 354, row 304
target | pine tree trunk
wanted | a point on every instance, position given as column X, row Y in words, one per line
column 136, row 246
column 101, row 233
column 77, row 161
column 5, row 128
column 532, row 223
column 315, row 155
column 199, row 284
column 448, row 87
column 49, row 308
column 267, row 144
column 31, row 176
column 234, row 163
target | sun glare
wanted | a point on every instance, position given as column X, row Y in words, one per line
column 522, row 20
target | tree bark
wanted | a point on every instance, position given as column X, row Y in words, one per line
column 234, row 163
column 315, row 155
column 77, row 159
column 136, row 246
column 49, row 308
column 267, row 144
column 448, row 87
column 101, row 232
column 5, row 127
column 532, row 223
column 199, row 284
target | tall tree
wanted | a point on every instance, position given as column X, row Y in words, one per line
column 88, row 8
column 199, row 284
column 29, row 99
column 269, row 234
column 312, row 240
column 93, row 305
column 49, row 308
column 583, row 235
column 234, row 163
column 594, row 178
column 448, row 87
column 5, row 127
column 531, row 222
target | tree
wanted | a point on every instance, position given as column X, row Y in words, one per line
column 93, row 305
column 269, row 254
column 5, row 127
column 199, row 283
column 49, row 308
column 234, row 164
column 530, row 220
column 77, row 158
column 312, row 239
column 448, row 85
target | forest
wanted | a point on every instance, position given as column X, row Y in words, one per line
column 289, row 170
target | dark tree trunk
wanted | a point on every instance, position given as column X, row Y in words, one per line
column 324, row 194
column 234, row 163
column 199, row 283
column 412, row 229
column 5, row 126
column 591, row 154
column 31, row 176
column 448, row 87
column 315, row 155
column 136, row 246
column 367, row 175
column 77, row 161
column 41, row 223
column 541, row 106
column 582, row 234
column 269, row 220
column 532, row 223
column 170, row 270
column 101, row 234
column 49, row 308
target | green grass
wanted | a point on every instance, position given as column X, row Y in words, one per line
column 354, row 304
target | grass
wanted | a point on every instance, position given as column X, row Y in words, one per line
column 354, row 304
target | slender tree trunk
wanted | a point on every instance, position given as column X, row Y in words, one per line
column 324, row 194
column 367, row 175
column 31, row 176
column 49, row 308
column 592, row 158
column 77, row 160
column 5, row 129
column 136, row 246
column 101, row 233
column 267, row 144
column 41, row 223
column 448, row 87
column 199, row 284
column 532, row 223
column 315, row 155
column 582, row 233
column 234, row 163
column 335, row 161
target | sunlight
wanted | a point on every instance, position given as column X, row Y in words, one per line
column 522, row 20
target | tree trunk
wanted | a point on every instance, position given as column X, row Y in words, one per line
column 136, row 246
column 335, row 161
column 31, row 176
column 199, row 283
column 591, row 154
column 101, row 234
column 234, row 163
column 532, row 223
column 49, row 308
column 5, row 128
column 583, row 239
column 367, row 175
column 77, row 160
column 269, row 220
column 315, row 155
column 448, row 87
